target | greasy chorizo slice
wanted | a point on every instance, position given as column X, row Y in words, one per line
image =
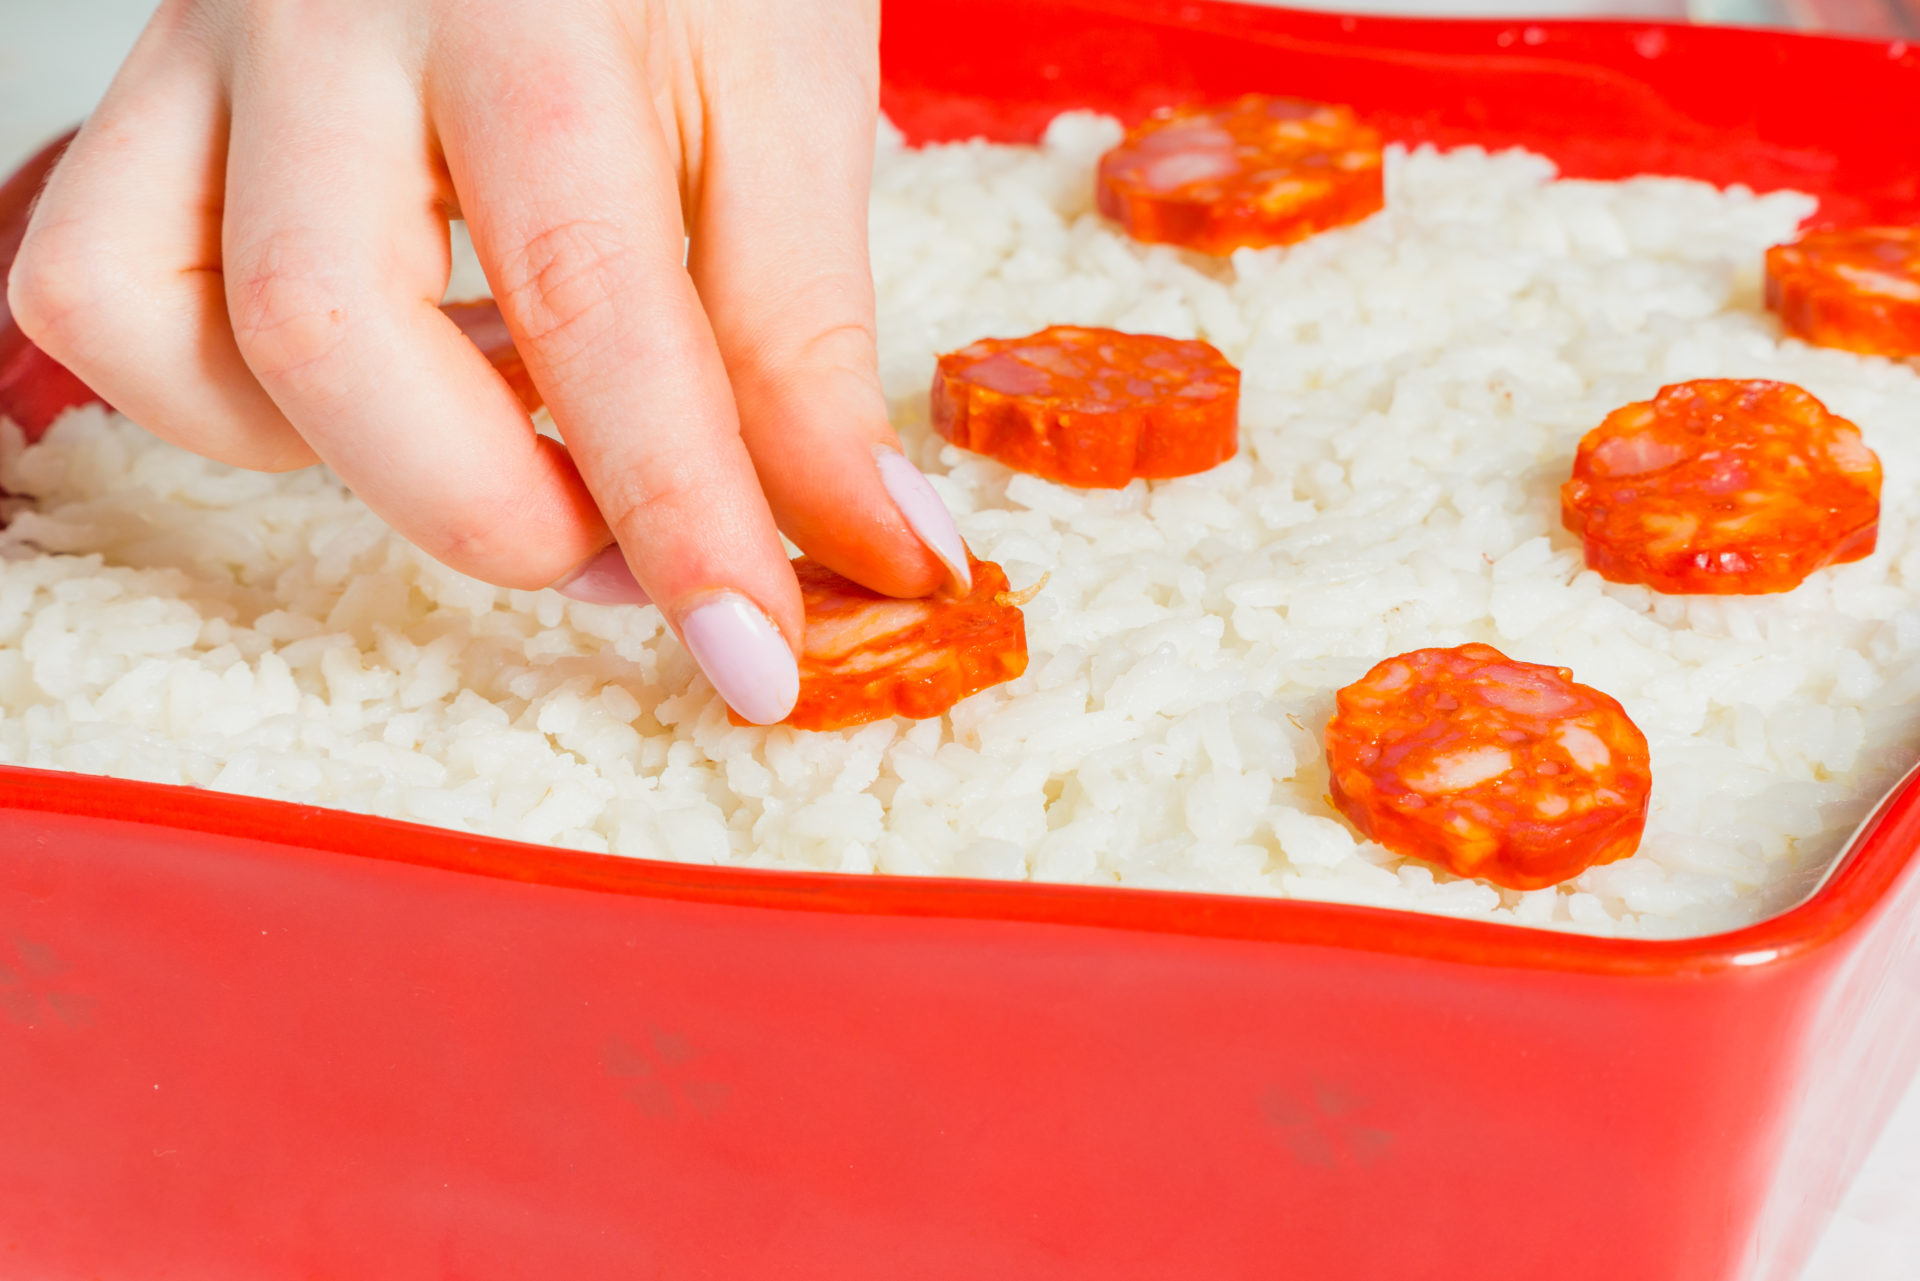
column 1722, row 487
column 1503, row 770
column 1090, row 407
column 1255, row 172
column 867, row 656
column 1856, row 288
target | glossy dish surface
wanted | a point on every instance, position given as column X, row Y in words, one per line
column 244, row 1034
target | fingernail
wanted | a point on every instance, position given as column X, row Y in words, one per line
column 926, row 515
column 744, row 655
column 604, row 580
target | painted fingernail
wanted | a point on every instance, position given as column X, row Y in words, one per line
column 604, row 580
column 744, row 655
column 926, row 515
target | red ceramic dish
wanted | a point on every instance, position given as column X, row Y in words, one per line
column 246, row 1039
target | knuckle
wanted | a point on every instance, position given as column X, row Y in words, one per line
column 473, row 545
column 60, row 287
column 788, row 339
column 488, row 540
column 636, row 503
column 288, row 304
column 791, row 373
column 849, row 347
column 565, row 286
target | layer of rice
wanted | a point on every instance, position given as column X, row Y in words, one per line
column 1414, row 388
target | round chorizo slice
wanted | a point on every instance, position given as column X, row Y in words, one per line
column 1856, row 288
column 1090, row 407
column 1722, row 487
column 1255, row 172
column 867, row 656
column 1492, row 768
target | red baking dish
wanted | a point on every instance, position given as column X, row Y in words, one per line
column 243, row 1039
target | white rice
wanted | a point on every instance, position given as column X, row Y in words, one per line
column 1414, row 388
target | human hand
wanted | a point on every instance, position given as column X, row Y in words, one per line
column 245, row 248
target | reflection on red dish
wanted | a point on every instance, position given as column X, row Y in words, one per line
column 248, row 1039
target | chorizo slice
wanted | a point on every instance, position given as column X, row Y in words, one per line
column 1255, row 172
column 1492, row 768
column 1856, row 288
column 1090, row 407
column 867, row 656
column 1722, row 487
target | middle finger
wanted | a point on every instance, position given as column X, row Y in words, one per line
column 335, row 246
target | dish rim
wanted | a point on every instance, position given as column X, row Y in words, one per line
column 1858, row 879
column 1861, row 876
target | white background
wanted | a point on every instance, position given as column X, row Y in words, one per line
column 56, row 57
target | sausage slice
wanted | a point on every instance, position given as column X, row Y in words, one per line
column 1493, row 768
column 1255, row 172
column 1723, row 487
column 867, row 656
column 1090, row 407
column 1856, row 288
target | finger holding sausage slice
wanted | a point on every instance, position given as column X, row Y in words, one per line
column 1090, row 407
column 1856, row 288
column 867, row 656
column 1723, row 487
column 779, row 255
column 1255, row 172
column 1493, row 768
